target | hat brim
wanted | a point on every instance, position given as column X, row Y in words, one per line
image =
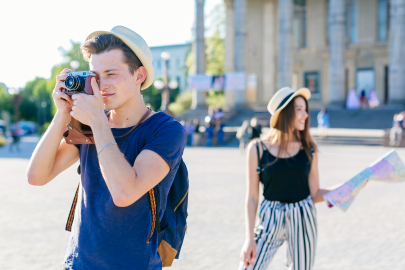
column 138, row 52
column 300, row 92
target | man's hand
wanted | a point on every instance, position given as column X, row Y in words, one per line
column 62, row 101
column 88, row 109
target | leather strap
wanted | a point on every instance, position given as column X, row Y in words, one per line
column 74, row 133
column 140, row 122
column 74, row 136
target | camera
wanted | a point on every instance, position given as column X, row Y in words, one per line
column 79, row 82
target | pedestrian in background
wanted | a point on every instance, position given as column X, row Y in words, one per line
column 255, row 130
column 363, row 99
column 16, row 133
column 189, row 128
column 286, row 163
column 220, row 131
column 209, row 134
column 197, row 133
column 396, row 130
column 243, row 135
column 323, row 123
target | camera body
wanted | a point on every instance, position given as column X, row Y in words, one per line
column 79, row 83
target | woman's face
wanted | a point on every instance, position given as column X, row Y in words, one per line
column 301, row 114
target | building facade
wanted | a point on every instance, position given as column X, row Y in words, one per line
column 176, row 64
column 329, row 46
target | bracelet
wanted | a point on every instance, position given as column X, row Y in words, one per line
column 99, row 151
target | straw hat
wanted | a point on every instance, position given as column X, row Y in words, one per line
column 281, row 99
column 137, row 45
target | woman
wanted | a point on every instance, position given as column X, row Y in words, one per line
column 287, row 165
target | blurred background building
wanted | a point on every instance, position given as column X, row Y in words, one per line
column 177, row 69
column 329, row 46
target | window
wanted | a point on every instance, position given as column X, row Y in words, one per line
column 311, row 81
column 351, row 21
column 299, row 23
column 383, row 19
column 365, row 80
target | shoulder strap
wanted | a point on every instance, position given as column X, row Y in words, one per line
column 259, row 162
column 71, row 216
column 140, row 122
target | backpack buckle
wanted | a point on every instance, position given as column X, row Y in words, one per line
column 258, row 169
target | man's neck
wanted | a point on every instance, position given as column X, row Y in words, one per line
column 127, row 115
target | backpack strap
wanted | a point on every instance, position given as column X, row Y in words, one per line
column 259, row 162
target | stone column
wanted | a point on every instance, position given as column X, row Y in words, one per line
column 199, row 52
column 336, row 17
column 396, row 72
column 240, row 11
column 285, row 56
column 229, row 49
column 269, row 51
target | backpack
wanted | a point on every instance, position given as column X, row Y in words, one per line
column 173, row 225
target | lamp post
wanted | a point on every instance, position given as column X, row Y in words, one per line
column 165, row 86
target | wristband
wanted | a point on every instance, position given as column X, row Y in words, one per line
column 99, row 151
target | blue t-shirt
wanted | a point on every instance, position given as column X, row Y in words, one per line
column 105, row 236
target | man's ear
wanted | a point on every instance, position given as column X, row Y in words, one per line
column 141, row 75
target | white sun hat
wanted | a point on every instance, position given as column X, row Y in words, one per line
column 281, row 99
column 138, row 45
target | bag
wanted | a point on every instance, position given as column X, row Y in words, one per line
column 173, row 226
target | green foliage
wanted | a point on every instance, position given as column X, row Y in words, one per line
column 182, row 103
column 6, row 102
column 40, row 90
column 153, row 97
column 215, row 98
column 43, row 128
column 215, row 52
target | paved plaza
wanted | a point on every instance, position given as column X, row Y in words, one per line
column 371, row 235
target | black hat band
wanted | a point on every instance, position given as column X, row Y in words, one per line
column 284, row 101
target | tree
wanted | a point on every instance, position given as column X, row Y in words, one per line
column 214, row 41
column 6, row 102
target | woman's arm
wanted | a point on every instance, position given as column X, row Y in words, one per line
column 248, row 254
column 316, row 192
column 252, row 192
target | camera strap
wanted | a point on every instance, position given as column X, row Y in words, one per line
column 74, row 135
column 71, row 216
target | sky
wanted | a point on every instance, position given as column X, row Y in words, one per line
column 32, row 31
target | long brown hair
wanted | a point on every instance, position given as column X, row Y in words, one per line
column 280, row 133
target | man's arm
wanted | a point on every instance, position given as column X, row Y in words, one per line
column 51, row 156
column 126, row 183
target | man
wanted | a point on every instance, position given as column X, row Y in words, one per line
column 113, row 218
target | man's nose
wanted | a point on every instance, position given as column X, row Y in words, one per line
column 103, row 85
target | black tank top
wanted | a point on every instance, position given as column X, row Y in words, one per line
column 285, row 180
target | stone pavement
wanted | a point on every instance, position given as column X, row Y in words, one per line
column 371, row 235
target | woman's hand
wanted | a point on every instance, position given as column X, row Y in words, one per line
column 62, row 101
column 248, row 253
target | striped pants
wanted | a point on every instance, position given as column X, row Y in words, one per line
column 294, row 223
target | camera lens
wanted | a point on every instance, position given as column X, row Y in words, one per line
column 72, row 82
